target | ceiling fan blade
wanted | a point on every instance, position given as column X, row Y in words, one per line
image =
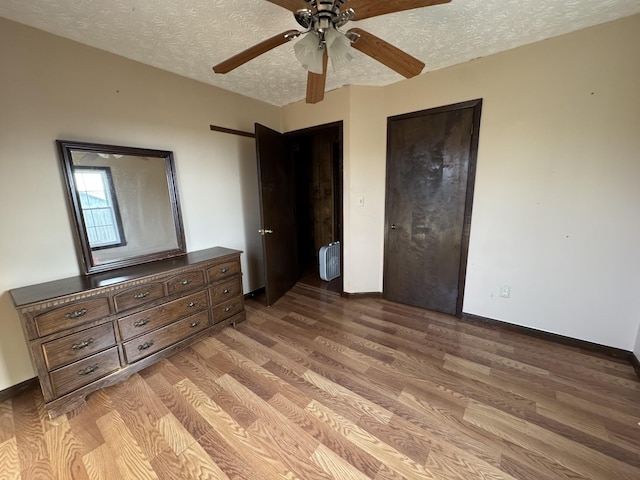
column 253, row 52
column 387, row 54
column 316, row 82
column 373, row 8
column 293, row 5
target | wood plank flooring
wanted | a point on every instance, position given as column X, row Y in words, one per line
column 322, row 387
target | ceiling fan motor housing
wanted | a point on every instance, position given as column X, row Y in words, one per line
column 327, row 15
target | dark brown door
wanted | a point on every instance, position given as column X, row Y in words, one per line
column 431, row 157
column 277, row 202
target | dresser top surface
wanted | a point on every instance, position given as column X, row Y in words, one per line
column 68, row 286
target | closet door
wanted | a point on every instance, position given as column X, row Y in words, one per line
column 431, row 157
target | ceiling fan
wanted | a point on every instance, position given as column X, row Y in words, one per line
column 322, row 39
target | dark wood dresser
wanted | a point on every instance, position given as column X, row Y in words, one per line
column 88, row 332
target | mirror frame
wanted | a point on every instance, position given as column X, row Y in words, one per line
column 65, row 149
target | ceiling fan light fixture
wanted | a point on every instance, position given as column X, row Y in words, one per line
column 309, row 53
column 338, row 48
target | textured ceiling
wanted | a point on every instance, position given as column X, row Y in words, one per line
column 188, row 37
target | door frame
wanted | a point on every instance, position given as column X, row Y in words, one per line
column 476, row 104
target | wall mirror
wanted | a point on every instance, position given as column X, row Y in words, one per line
column 124, row 202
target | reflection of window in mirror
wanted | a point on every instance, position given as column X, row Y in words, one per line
column 99, row 207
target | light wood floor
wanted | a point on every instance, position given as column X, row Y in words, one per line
column 321, row 387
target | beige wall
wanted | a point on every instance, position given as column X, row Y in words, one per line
column 556, row 201
column 51, row 88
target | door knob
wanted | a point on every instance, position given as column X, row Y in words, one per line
column 262, row 231
column 393, row 227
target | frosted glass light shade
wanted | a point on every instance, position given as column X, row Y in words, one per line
column 338, row 48
column 309, row 53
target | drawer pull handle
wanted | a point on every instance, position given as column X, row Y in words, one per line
column 228, row 309
column 186, row 281
column 138, row 296
column 140, row 323
column 146, row 345
column 191, row 304
column 194, row 324
column 224, row 270
column 225, row 291
column 83, row 344
column 89, row 370
column 76, row 314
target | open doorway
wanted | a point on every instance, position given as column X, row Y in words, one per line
column 317, row 160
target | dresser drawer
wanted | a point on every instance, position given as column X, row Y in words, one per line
column 157, row 340
column 148, row 320
column 223, row 270
column 71, row 315
column 225, row 291
column 227, row 309
column 185, row 282
column 78, row 374
column 77, row 346
column 138, row 296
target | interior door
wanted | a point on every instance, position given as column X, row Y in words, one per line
column 431, row 158
column 278, row 218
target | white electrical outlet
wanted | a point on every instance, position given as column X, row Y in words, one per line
column 505, row 291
